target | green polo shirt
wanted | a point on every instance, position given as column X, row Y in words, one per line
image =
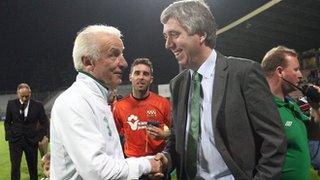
column 297, row 162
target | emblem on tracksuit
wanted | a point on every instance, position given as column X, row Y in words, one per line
column 135, row 123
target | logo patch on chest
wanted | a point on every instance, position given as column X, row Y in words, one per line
column 288, row 123
column 135, row 123
column 151, row 113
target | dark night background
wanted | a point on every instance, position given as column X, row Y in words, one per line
column 36, row 37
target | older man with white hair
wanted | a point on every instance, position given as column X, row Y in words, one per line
column 84, row 140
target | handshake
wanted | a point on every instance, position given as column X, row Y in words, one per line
column 158, row 166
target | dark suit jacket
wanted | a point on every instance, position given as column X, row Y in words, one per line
column 32, row 129
column 247, row 128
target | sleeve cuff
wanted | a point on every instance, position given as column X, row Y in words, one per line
column 138, row 167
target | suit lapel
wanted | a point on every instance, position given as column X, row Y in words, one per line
column 220, row 79
column 30, row 108
column 17, row 106
column 180, row 101
column 183, row 102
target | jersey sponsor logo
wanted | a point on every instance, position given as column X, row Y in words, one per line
column 151, row 113
column 135, row 123
column 288, row 124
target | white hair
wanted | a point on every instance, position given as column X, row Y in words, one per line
column 86, row 44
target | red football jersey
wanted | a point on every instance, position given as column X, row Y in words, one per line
column 131, row 116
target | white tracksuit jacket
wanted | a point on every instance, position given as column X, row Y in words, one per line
column 84, row 140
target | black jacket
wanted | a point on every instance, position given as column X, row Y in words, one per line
column 32, row 128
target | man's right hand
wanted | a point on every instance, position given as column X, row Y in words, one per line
column 162, row 158
column 156, row 167
column 164, row 161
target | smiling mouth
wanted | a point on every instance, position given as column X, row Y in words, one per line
column 176, row 53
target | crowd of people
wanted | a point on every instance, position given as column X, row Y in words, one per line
column 228, row 118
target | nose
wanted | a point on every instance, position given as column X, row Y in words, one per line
column 123, row 63
column 299, row 74
column 168, row 43
column 140, row 75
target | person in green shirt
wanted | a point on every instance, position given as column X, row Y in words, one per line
column 282, row 70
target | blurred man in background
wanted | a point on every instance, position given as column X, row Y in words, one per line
column 24, row 118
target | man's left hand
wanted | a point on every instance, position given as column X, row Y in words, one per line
column 157, row 133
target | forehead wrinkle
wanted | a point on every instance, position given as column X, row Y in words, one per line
column 112, row 47
column 109, row 42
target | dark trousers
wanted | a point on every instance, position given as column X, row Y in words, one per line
column 31, row 153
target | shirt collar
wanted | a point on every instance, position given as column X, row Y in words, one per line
column 94, row 84
column 284, row 102
column 290, row 104
column 90, row 75
column 22, row 102
column 287, row 102
column 207, row 68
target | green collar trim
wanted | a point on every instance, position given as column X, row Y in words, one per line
column 292, row 106
column 279, row 101
column 288, row 103
column 90, row 75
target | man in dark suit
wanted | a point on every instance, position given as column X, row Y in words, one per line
column 22, row 131
column 234, row 130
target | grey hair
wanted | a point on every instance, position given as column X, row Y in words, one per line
column 86, row 44
column 22, row 86
column 195, row 16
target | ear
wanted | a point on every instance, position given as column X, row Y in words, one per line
column 88, row 64
column 151, row 81
column 130, row 77
column 203, row 37
column 279, row 71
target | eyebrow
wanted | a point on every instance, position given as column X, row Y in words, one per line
column 114, row 50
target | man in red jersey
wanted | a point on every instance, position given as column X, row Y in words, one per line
column 143, row 117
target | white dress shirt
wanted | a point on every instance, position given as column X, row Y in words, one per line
column 210, row 164
column 26, row 109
